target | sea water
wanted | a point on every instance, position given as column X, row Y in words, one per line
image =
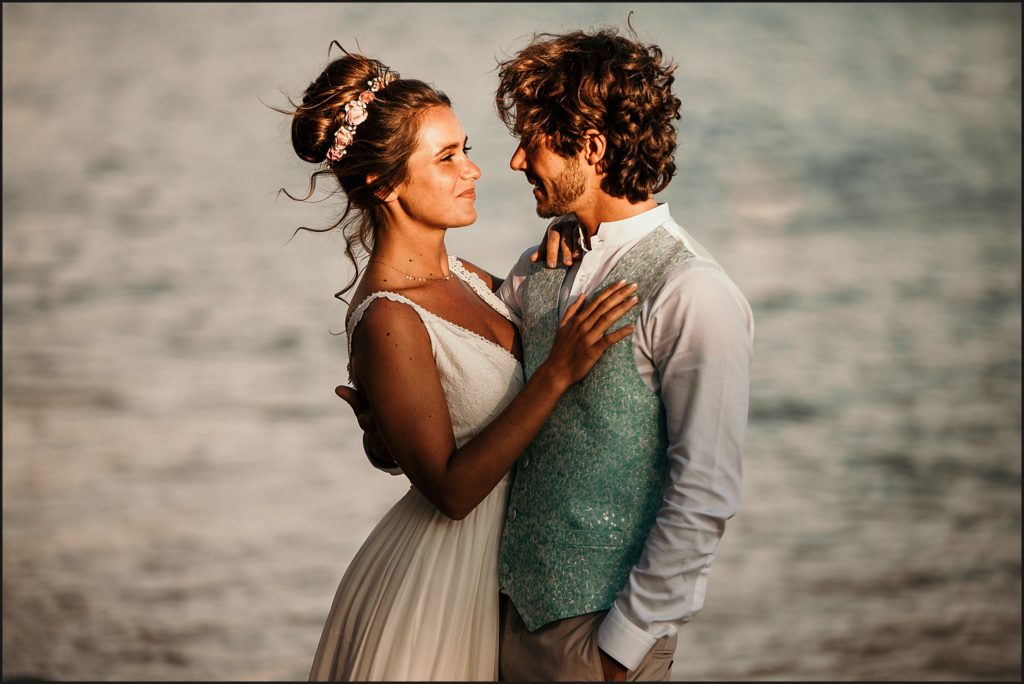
column 182, row 490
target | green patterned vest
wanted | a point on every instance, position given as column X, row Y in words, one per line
column 586, row 491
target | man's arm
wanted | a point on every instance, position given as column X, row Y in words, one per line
column 697, row 332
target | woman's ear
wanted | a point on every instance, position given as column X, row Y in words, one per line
column 389, row 196
column 594, row 146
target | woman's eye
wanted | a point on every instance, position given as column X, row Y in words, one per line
column 449, row 157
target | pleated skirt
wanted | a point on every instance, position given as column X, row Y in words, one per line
column 420, row 599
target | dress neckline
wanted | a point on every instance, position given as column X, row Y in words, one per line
column 461, row 272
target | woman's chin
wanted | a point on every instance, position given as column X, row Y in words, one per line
column 467, row 220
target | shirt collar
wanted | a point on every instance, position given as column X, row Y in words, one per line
column 613, row 233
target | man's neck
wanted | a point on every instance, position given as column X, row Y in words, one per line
column 605, row 209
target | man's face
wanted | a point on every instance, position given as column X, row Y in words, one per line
column 558, row 182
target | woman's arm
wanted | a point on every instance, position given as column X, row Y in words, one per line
column 394, row 368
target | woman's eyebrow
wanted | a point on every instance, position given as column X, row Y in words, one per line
column 452, row 146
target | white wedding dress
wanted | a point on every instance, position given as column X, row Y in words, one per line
column 420, row 599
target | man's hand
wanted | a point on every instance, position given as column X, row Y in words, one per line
column 613, row 671
column 376, row 450
column 560, row 237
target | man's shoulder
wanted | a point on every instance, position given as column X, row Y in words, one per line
column 686, row 240
column 695, row 274
column 694, row 263
column 523, row 265
column 696, row 277
column 699, row 289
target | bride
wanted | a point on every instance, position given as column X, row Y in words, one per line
column 438, row 359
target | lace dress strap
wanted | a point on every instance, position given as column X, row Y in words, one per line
column 357, row 315
column 479, row 286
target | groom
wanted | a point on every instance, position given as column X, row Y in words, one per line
column 618, row 504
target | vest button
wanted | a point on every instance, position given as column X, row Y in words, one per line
column 526, row 461
column 512, row 515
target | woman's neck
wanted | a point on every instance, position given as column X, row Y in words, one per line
column 415, row 251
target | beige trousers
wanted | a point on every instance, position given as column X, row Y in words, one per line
column 566, row 650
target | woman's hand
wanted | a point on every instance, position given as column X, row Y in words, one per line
column 581, row 339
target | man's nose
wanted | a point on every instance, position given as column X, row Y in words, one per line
column 518, row 160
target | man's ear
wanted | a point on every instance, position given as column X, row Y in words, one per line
column 594, row 146
column 388, row 197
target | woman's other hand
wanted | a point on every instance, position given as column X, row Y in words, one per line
column 581, row 338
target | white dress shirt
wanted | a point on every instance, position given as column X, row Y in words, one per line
column 692, row 345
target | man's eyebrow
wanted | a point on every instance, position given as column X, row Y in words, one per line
column 452, row 146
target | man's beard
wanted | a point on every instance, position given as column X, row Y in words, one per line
column 559, row 196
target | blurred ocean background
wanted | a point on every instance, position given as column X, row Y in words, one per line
column 182, row 491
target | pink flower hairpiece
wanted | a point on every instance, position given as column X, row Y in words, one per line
column 355, row 114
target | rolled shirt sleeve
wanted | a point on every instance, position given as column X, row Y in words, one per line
column 695, row 338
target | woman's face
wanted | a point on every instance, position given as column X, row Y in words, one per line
column 439, row 190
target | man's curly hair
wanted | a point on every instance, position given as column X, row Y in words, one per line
column 560, row 85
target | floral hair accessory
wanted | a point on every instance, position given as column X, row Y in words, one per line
column 355, row 114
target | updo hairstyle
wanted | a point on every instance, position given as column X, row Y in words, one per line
column 381, row 147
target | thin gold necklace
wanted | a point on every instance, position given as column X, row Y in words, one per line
column 409, row 276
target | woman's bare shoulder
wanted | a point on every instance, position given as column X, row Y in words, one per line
column 374, row 284
column 386, row 316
